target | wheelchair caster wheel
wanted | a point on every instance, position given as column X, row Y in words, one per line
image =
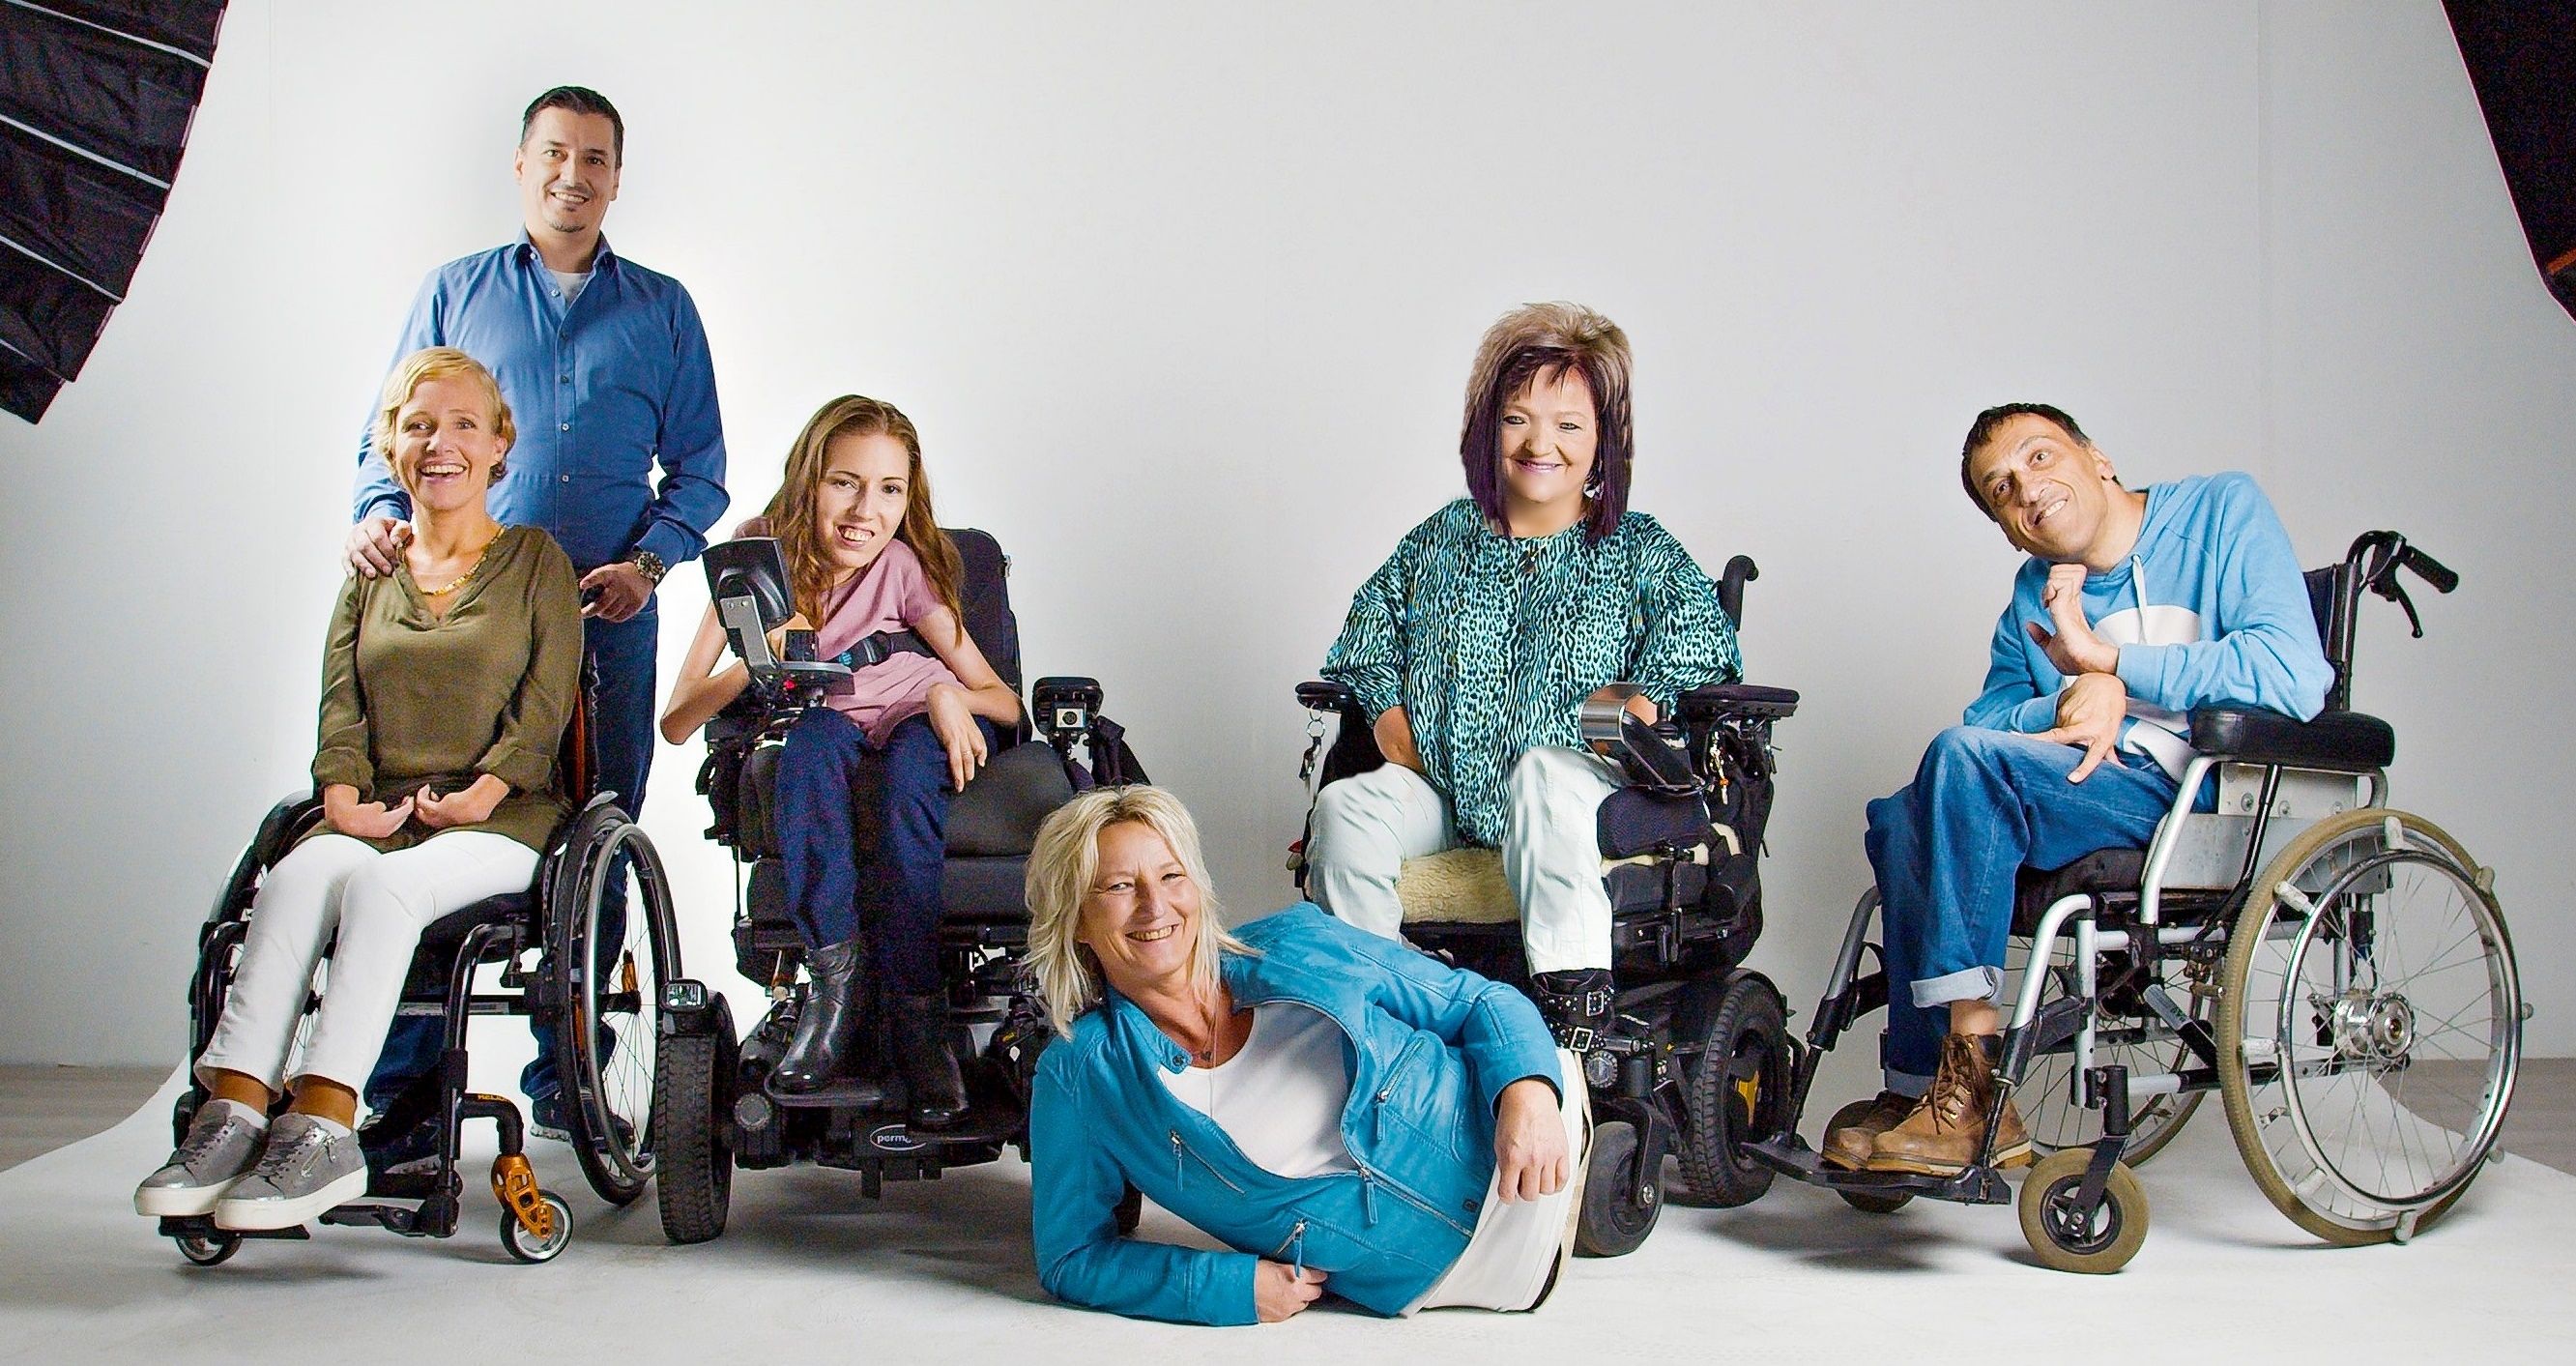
column 1616, row 1217
column 2068, row 1239
column 530, row 1248
column 208, row 1249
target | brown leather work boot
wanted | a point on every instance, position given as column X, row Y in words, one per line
column 1940, row 1138
column 1847, row 1146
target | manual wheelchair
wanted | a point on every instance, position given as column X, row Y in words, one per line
column 591, row 943
column 718, row 1107
column 1695, row 1062
column 2338, row 971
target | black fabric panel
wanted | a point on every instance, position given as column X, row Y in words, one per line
column 2521, row 56
column 188, row 25
column 128, row 103
column 74, row 213
column 26, row 390
column 985, row 891
column 999, row 812
column 755, row 801
column 1633, row 820
column 2103, row 870
column 46, row 316
column 987, row 591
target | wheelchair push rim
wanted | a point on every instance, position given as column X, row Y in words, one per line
column 2370, row 1026
column 610, row 986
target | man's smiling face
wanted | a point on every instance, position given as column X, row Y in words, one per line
column 2050, row 492
column 567, row 171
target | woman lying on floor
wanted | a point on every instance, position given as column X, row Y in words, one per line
column 1341, row 1111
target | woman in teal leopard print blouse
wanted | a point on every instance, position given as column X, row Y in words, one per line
column 1476, row 643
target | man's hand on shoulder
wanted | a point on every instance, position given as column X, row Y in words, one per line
column 2072, row 647
column 376, row 545
column 2090, row 709
column 622, row 590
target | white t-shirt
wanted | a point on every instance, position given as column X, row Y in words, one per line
column 1281, row 1097
column 571, row 282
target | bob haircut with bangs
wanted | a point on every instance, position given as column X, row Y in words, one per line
column 1543, row 341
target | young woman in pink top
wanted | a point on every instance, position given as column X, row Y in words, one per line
column 866, row 557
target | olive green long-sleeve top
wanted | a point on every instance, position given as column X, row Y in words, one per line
column 413, row 700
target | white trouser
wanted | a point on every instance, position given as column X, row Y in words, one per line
column 1366, row 826
column 379, row 904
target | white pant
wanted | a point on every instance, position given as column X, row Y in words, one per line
column 379, row 904
column 1366, row 826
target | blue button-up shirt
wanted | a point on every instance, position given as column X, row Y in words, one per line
column 601, row 390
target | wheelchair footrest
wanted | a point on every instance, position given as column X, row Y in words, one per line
column 848, row 1093
column 203, row 1226
column 1790, row 1156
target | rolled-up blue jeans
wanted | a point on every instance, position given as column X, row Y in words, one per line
column 1983, row 805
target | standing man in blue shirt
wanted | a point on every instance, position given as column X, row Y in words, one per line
column 2134, row 607
column 605, row 368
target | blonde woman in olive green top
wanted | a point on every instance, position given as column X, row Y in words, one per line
column 445, row 691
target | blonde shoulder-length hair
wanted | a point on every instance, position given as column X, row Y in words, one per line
column 1062, row 864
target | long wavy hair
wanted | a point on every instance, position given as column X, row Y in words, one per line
column 1063, row 861
column 800, row 537
column 1542, row 341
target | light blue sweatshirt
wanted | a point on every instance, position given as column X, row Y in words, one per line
column 2209, row 607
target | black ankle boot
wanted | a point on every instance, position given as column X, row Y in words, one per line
column 929, row 1066
column 1577, row 1008
column 827, row 1028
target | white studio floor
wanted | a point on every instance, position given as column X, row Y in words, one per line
column 940, row 1273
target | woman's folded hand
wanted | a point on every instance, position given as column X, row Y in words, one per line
column 1280, row 1291
column 342, row 810
column 1530, row 1157
column 469, row 805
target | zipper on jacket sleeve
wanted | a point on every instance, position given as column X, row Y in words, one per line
column 1176, row 1159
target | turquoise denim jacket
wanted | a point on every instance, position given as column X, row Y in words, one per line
column 1431, row 1049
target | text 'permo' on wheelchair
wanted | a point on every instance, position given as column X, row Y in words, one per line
column 1695, row 1062
column 2337, row 970
column 592, row 944
column 721, row 1108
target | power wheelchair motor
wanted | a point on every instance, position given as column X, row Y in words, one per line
column 719, row 1106
column 1695, row 1061
column 592, row 941
column 2338, row 971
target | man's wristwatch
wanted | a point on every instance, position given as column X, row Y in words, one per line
column 649, row 565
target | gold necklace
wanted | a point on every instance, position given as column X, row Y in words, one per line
column 459, row 581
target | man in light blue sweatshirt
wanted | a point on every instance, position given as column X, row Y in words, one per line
column 2134, row 607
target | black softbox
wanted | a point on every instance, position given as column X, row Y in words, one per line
column 95, row 101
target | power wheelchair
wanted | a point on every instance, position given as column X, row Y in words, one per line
column 1694, row 1063
column 719, row 1108
column 2337, row 970
column 592, row 941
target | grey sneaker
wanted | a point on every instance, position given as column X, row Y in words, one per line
column 304, row 1170
column 220, row 1146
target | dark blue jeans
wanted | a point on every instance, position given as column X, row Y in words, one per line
column 1983, row 805
column 863, row 841
column 621, row 656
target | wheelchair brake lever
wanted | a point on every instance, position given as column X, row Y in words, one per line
column 2396, row 593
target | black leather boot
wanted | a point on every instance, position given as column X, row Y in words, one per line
column 929, row 1066
column 827, row 1027
column 1577, row 1006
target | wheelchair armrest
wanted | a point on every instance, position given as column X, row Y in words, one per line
column 1322, row 695
column 2338, row 741
column 1653, row 758
column 1720, row 701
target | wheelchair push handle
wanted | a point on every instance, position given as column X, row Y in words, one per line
column 2373, row 562
column 2430, row 570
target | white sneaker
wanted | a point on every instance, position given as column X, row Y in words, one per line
column 307, row 1167
column 219, row 1148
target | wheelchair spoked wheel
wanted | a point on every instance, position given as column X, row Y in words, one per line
column 693, row 1104
column 2370, row 1026
column 1734, row 1087
column 1615, row 1217
column 613, row 945
column 2138, row 1041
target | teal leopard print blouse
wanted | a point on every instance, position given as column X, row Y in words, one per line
column 1492, row 643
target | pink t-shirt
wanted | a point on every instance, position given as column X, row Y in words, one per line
column 891, row 594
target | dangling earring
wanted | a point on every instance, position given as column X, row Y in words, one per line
column 500, row 468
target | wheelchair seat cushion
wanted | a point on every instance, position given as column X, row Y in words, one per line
column 1000, row 811
column 2103, row 870
column 1465, row 886
column 2345, row 741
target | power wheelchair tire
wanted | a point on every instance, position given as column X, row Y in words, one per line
column 2066, row 1240
column 611, row 990
column 2343, row 1010
column 1613, row 1222
column 1733, row 1089
column 2046, row 1096
column 693, row 1103
column 517, row 1242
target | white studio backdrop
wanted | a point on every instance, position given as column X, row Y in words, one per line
column 1183, row 297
